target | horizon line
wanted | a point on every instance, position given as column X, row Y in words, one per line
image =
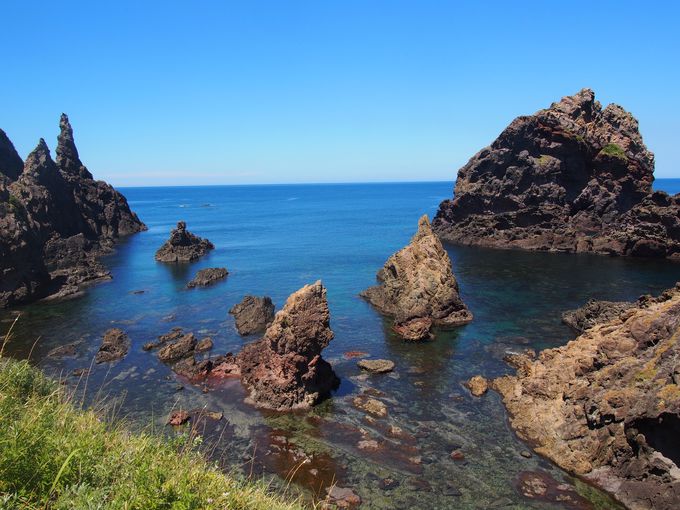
column 312, row 183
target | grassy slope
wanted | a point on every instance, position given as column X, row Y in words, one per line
column 53, row 455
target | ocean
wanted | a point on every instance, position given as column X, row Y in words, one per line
column 274, row 239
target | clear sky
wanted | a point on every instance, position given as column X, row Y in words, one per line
column 219, row 92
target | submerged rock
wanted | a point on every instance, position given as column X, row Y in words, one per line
column 115, row 345
column 284, row 370
column 573, row 178
column 594, row 312
column 417, row 287
column 378, row 366
column 55, row 221
column 253, row 314
column 607, row 405
column 183, row 246
column 208, row 276
column 477, row 385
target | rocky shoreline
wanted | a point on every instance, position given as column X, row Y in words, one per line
column 574, row 177
column 55, row 221
column 607, row 405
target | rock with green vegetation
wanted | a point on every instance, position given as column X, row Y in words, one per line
column 606, row 406
column 67, row 458
column 575, row 177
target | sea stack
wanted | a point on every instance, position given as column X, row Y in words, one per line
column 183, row 246
column 572, row 178
column 284, row 370
column 607, row 405
column 55, row 221
column 417, row 287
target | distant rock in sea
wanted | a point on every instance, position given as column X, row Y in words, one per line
column 284, row 370
column 417, row 287
column 607, row 405
column 573, row 178
column 183, row 246
column 253, row 314
column 55, row 221
column 208, row 276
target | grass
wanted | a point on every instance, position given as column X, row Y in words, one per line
column 56, row 456
column 615, row 151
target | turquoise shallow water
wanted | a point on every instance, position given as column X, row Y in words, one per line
column 273, row 240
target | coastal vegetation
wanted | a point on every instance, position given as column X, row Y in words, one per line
column 55, row 455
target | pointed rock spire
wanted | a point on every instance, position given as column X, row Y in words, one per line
column 40, row 160
column 417, row 287
column 68, row 159
column 10, row 163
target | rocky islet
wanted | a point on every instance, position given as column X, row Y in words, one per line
column 418, row 288
column 574, row 177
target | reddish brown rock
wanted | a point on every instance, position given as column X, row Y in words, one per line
column 574, row 178
column 417, row 287
column 284, row 370
column 115, row 346
column 178, row 418
column 607, row 405
column 183, row 246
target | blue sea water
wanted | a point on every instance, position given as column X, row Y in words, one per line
column 273, row 240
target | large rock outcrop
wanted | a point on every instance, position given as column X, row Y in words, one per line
column 417, row 287
column 607, row 405
column 55, row 221
column 284, row 370
column 183, row 246
column 574, row 178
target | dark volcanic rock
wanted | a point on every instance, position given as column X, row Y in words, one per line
column 54, row 222
column 573, row 178
column 11, row 164
column 253, row 314
column 183, row 246
column 607, row 405
column 594, row 312
column 284, row 370
column 417, row 287
column 208, row 276
column 115, row 345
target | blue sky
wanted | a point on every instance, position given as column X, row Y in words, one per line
column 217, row 92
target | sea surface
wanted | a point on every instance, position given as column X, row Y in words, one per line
column 274, row 239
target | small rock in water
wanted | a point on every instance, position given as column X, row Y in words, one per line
column 377, row 366
column 114, row 346
column 80, row 372
column 477, row 385
column 526, row 454
column 64, row 351
column 355, row 354
column 183, row 246
column 371, row 406
column 457, row 455
column 208, row 276
column 451, row 490
column 177, row 418
column 343, row 497
column 204, row 345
